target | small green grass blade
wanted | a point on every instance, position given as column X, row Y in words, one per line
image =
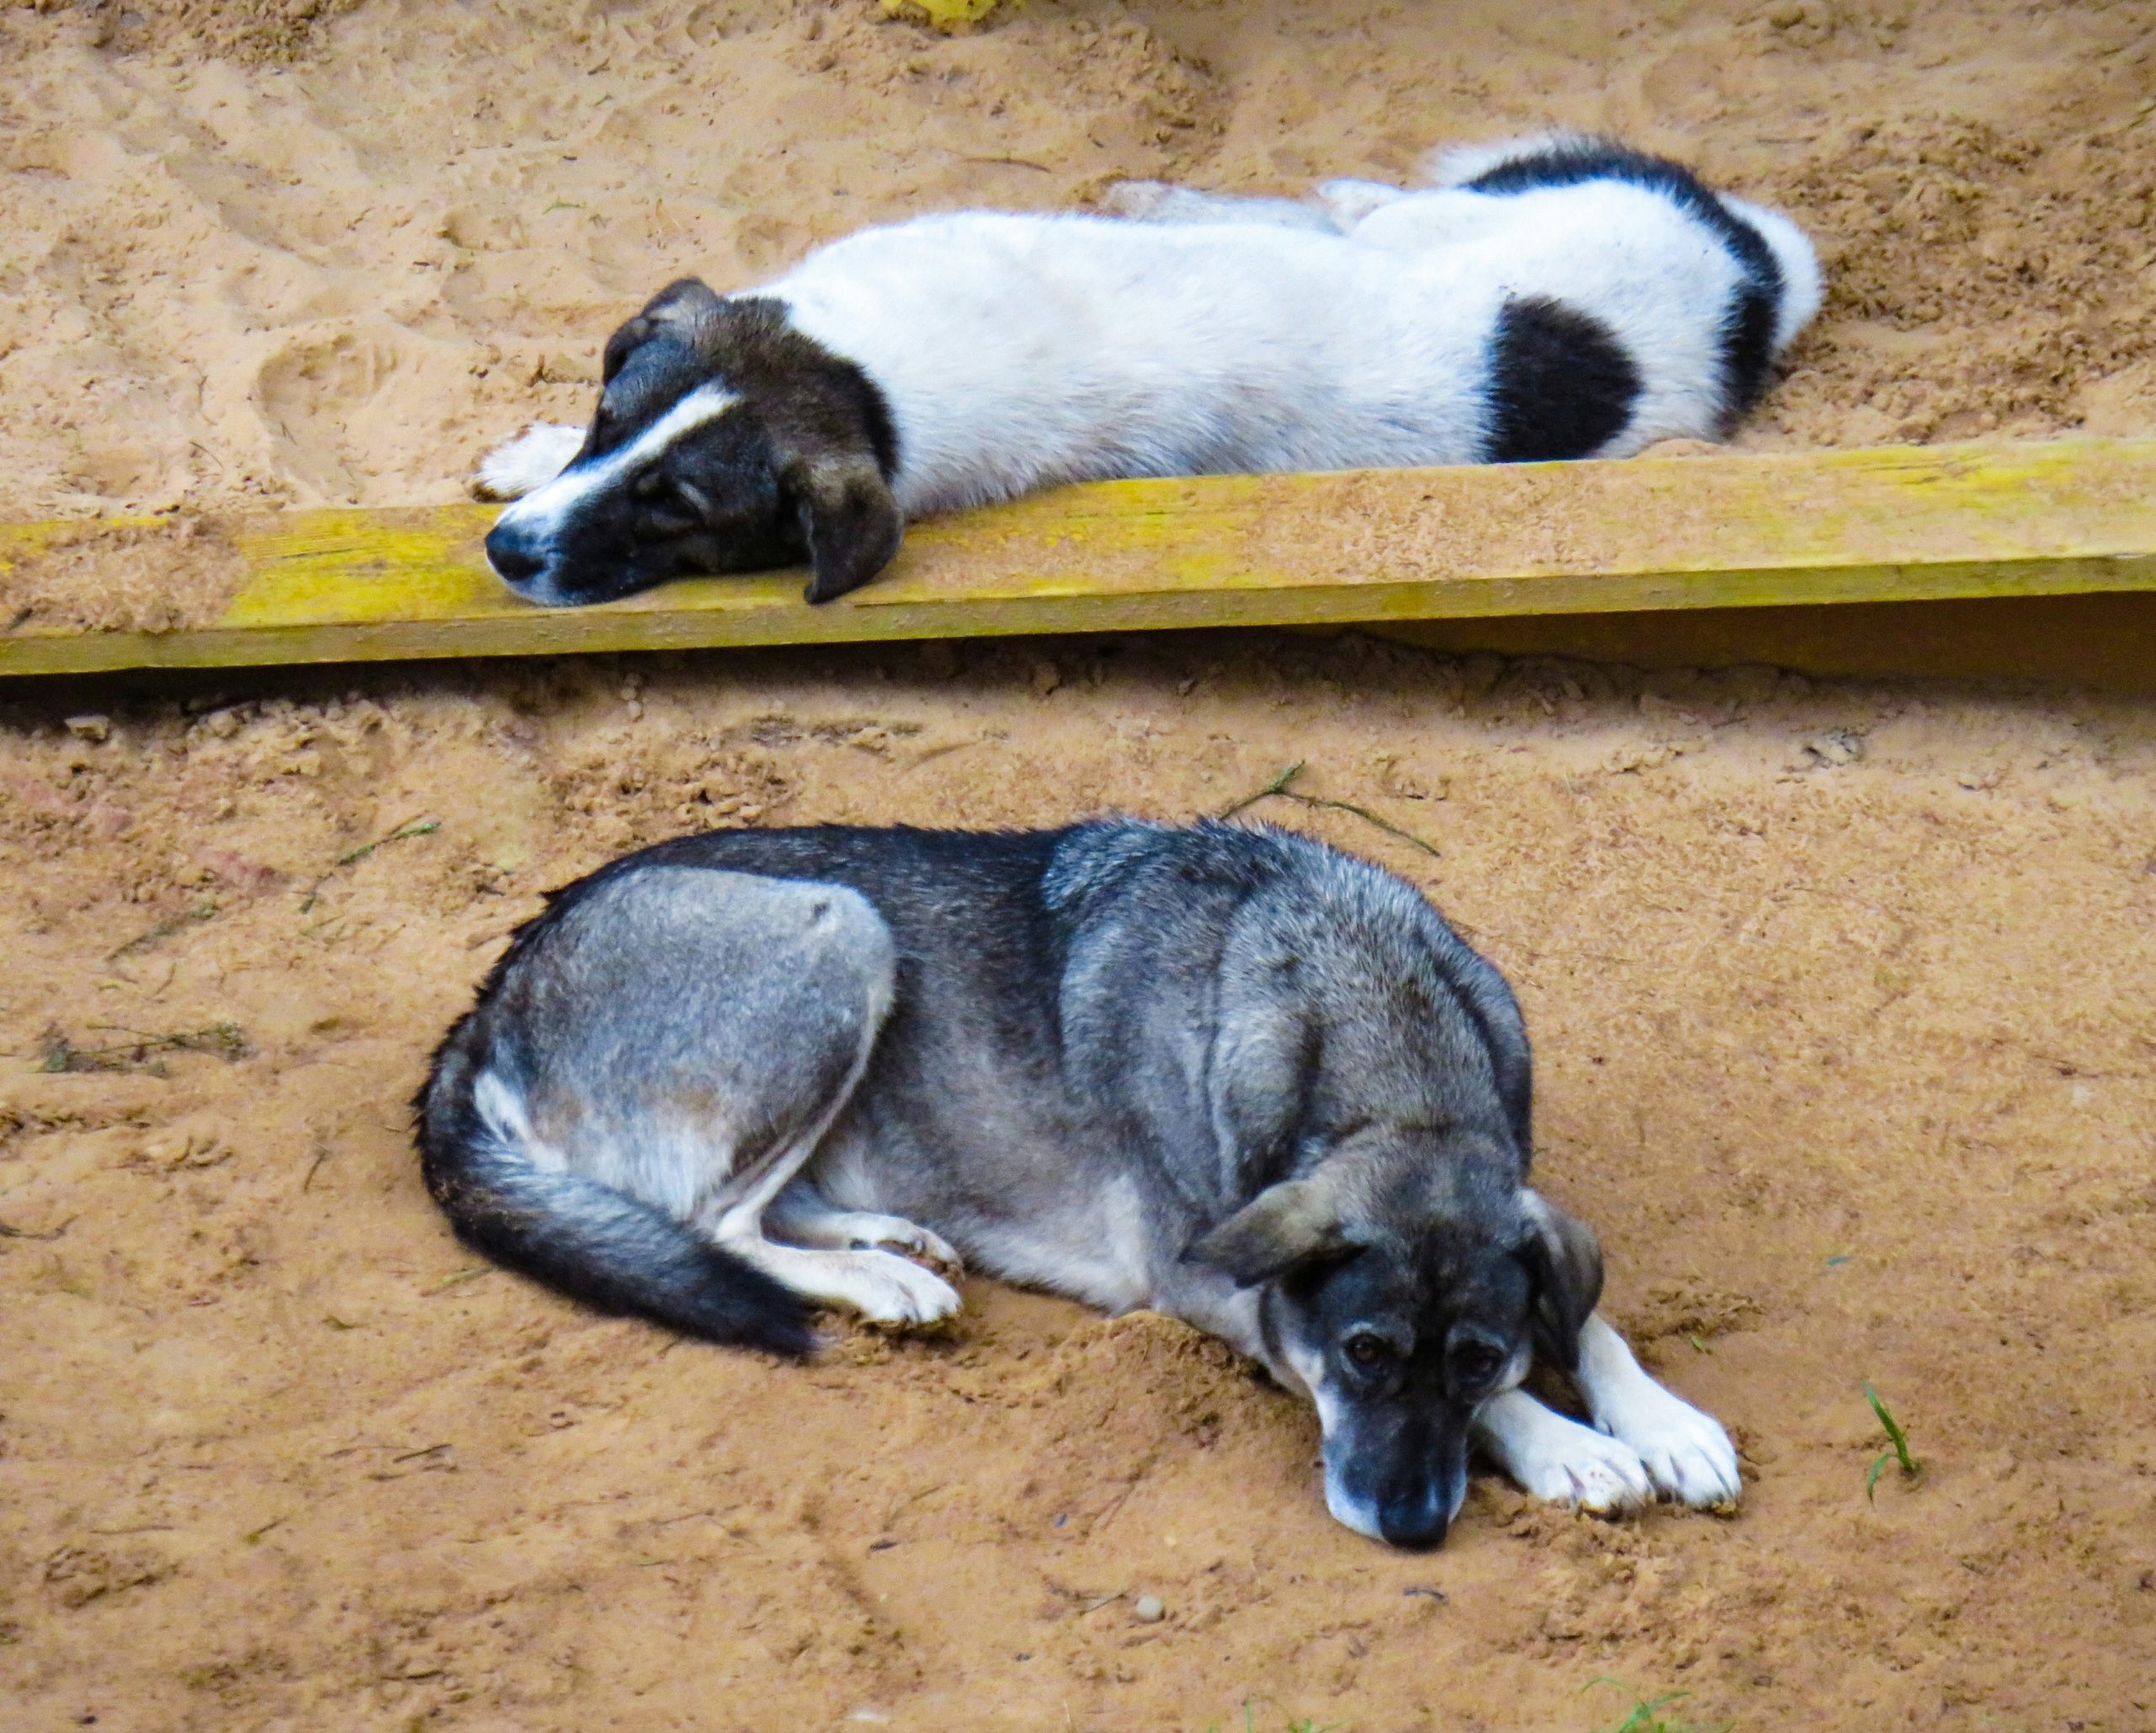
column 1911, row 1468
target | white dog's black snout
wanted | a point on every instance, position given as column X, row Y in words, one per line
column 514, row 554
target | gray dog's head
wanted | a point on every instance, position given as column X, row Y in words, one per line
column 1406, row 1280
column 725, row 440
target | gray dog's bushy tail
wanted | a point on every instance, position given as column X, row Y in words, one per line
column 588, row 1240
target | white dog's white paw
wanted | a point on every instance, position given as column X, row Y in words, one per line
column 1140, row 200
column 1352, row 200
column 527, row 462
column 1687, row 1453
column 1552, row 1458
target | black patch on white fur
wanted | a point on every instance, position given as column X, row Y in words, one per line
column 1748, row 332
column 746, row 342
column 1561, row 384
column 826, row 403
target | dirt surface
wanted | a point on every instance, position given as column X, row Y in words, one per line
column 154, row 575
column 1842, row 998
column 1842, row 994
column 339, row 275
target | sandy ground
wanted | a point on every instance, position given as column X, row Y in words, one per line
column 1842, row 994
column 339, row 277
column 1849, row 1058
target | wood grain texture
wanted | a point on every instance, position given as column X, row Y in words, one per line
column 1718, row 532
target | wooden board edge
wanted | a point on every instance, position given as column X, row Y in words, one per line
column 643, row 627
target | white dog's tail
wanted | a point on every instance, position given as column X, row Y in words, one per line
column 1456, row 165
column 1802, row 286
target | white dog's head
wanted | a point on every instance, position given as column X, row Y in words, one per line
column 725, row 440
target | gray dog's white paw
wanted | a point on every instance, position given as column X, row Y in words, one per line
column 1687, row 1453
column 1587, row 1471
column 1552, row 1458
column 885, row 1288
column 909, row 1239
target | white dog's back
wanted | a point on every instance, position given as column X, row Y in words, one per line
column 1020, row 351
column 1549, row 299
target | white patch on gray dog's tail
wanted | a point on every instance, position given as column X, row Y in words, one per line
column 508, row 1196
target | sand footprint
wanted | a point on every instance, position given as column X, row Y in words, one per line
column 352, row 406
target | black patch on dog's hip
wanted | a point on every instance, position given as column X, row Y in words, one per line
column 1561, row 384
column 1748, row 331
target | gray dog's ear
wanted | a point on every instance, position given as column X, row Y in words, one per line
column 682, row 302
column 1287, row 1225
column 848, row 518
column 1564, row 1262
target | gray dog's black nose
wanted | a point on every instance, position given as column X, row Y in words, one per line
column 1416, row 1537
column 1418, row 1521
column 510, row 557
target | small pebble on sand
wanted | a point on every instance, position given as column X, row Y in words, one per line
column 1148, row 1610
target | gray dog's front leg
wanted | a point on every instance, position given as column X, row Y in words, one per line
column 1688, row 1455
column 1644, row 1441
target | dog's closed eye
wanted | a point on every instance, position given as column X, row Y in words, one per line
column 670, row 504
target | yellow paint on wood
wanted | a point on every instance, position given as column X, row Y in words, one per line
column 1721, row 532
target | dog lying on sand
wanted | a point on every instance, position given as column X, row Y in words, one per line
column 1226, row 1073
column 1558, row 298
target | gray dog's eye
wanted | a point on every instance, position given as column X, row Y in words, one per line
column 1368, row 1350
column 1477, row 1362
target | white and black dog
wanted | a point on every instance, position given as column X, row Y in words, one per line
column 1225, row 1073
column 1559, row 297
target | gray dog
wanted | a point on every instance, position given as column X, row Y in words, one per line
column 1226, row 1073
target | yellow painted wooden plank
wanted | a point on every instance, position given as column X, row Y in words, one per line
column 1719, row 531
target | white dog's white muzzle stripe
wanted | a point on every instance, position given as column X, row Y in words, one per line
column 542, row 512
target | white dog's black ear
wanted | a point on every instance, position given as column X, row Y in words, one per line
column 1284, row 1227
column 849, row 518
column 682, row 302
column 1564, row 1262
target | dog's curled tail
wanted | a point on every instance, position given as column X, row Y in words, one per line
column 590, row 1241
